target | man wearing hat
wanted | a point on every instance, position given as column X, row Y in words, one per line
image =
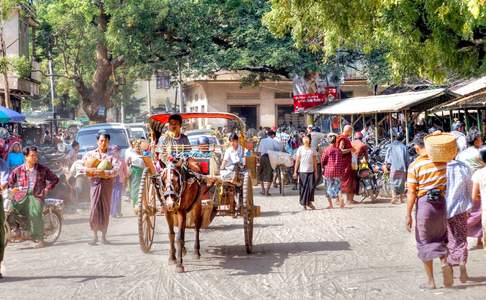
column 427, row 181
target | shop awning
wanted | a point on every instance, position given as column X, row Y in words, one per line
column 469, row 87
column 10, row 116
column 474, row 101
column 409, row 101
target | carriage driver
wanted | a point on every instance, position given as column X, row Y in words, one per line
column 179, row 141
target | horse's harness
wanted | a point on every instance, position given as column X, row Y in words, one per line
column 184, row 176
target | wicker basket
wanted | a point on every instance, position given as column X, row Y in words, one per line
column 441, row 147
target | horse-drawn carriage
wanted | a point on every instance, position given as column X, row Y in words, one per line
column 188, row 185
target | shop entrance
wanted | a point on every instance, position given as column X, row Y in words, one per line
column 247, row 113
column 286, row 117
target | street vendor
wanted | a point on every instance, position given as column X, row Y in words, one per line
column 31, row 182
column 102, row 184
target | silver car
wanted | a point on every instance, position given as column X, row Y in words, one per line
column 119, row 135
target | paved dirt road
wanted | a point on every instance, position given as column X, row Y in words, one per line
column 358, row 253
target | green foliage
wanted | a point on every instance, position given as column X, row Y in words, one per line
column 22, row 66
column 433, row 39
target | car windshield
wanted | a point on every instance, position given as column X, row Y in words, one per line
column 87, row 138
column 137, row 133
column 194, row 139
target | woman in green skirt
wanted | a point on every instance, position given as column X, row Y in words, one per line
column 136, row 165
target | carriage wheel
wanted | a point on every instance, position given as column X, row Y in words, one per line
column 246, row 197
column 147, row 209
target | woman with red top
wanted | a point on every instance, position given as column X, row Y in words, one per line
column 348, row 180
column 332, row 163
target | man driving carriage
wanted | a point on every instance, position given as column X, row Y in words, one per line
column 174, row 138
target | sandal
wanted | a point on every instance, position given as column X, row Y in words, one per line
column 448, row 276
column 463, row 277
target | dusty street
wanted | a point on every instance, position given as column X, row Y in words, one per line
column 361, row 252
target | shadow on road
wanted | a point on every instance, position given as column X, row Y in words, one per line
column 268, row 256
column 228, row 227
column 83, row 278
column 472, row 282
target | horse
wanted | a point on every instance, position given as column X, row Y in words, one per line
column 182, row 192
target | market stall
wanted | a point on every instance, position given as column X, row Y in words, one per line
column 382, row 110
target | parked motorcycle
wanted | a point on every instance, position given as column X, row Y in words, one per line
column 16, row 226
column 367, row 183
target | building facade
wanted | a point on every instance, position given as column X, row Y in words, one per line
column 267, row 104
column 18, row 35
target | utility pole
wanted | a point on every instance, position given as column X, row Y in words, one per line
column 149, row 98
column 53, row 89
column 122, row 113
column 52, row 83
column 179, row 86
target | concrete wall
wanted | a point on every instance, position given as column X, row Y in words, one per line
column 159, row 97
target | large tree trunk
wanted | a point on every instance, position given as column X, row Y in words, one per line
column 101, row 88
column 6, row 101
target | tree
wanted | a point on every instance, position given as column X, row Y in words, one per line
column 433, row 39
column 82, row 37
column 95, row 44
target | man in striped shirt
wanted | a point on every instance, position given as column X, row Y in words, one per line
column 426, row 182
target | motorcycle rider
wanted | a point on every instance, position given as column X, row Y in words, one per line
column 31, row 182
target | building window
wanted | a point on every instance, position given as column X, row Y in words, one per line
column 162, row 81
column 283, row 95
column 346, row 94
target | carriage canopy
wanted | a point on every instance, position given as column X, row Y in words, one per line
column 157, row 122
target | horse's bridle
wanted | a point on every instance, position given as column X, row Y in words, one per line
column 170, row 190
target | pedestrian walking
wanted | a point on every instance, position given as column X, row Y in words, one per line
column 101, row 190
column 426, row 190
column 332, row 162
column 265, row 171
column 396, row 162
column 136, row 165
column 73, row 153
column 459, row 203
column 348, row 180
column 32, row 182
column 120, row 182
column 472, row 159
column 479, row 189
column 458, row 132
column 306, row 171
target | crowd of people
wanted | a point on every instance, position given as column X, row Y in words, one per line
column 446, row 196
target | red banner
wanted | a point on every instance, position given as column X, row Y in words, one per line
column 305, row 101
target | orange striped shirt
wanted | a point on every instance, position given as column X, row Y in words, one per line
column 425, row 175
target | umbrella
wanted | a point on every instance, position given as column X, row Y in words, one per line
column 8, row 115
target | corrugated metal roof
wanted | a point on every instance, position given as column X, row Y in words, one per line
column 469, row 87
column 377, row 104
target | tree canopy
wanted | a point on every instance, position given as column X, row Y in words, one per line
column 99, row 46
column 432, row 39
